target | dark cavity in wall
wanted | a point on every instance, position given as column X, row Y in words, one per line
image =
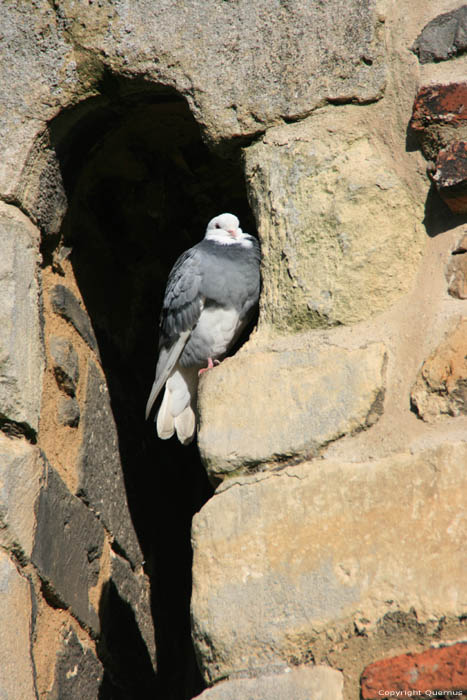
column 141, row 187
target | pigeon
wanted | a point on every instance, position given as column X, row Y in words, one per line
column 211, row 295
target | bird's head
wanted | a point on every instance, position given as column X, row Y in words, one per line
column 224, row 229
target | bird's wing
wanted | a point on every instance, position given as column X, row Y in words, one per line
column 181, row 310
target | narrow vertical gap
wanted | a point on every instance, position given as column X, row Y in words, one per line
column 141, row 187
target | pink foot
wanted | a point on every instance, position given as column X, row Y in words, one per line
column 211, row 364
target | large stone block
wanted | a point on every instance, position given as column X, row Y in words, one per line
column 101, row 483
column 78, row 672
column 242, row 65
column 305, row 683
column 20, row 476
column 270, row 406
column 340, row 235
column 16, row 671
column 21, row 347
column 284, row 559
column 67, row 548
column 443, row 38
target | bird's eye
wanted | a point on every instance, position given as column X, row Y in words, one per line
column 218, row 225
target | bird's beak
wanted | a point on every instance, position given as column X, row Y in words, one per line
column 233, row 232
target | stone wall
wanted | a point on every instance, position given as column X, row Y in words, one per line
column 329, row 560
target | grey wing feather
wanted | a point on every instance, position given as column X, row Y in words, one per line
column 181, row 309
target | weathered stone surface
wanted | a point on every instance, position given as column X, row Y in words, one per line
column 16, row 672
column 441, row 386
column 67, row 305
column 450, row 176
column 439, row 117
column 67, row 546
column 322, row 545
column 456, row 272
column 133, row 589
column 305, row 683
column 66, row 366
column 78, row 672
column 101, row 483
column 21, row 351
column 20, row 474
column 338, row 227
column 444, row 37
column 240, row 84
column 292, row 403
column 443, row 669
column 68, row 412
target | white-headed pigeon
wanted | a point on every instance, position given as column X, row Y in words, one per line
column 211, row 294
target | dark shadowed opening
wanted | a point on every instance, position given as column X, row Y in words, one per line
column 141, row 187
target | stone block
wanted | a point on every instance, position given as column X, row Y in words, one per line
column 450, row 176
column 68, row 412
column 303, row 683
column 78, row 672
column 441, row 386
column 281, row 559
column 443, row 38
column 292, row 403
column 101, row 484
column 21, row 349
column 339, row 232
column 16, row 669
column 65, row 363
column 20, row 475
column 456, row 272
column 67, row 305
column 441, row 671
column 439, row 117
column 67, row 548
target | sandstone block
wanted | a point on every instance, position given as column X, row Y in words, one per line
column 282, row 558
column 443, row 38
column 66, row 366
column 101, row 484
column 338, row 227
column 441, row 386
column 78, row 672
column 303, row 683
column 291, row 404
column 67, row 305
column 20, row 474
column 443, row 669
column 21, row 351
column 16, row 671
column 67, row 547
column 456, row 272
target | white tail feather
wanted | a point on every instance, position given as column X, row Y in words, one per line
column 177, row 411
column 165, row 421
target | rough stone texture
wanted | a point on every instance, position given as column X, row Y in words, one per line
column 66, row 366
column 441, row 386
column 21, row 362
column 444, row 37
column 439, row 117
column 101, row 484
column 20, row 473
column 260, row 61
column 67, row 546
column 68, row 412
column 16, row 671
column 450, row 176
column 456, row 272
column 306, row 398
column 133, row 589
column 443, row 669
column 322, row 265
column 301, row 551
column 67, row 305
column 78, row 672
column 305, row 683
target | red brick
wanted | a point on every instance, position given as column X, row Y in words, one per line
column 450, row 176
column 441, row 105
column 442, row 669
